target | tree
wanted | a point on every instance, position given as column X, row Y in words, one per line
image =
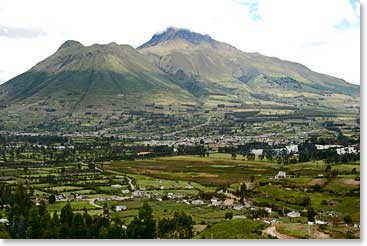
column 143, row 226
column 66, row 219
column 45, row 222
column 51, row 199
column 348, row 219
column 54, row 226
column 269, row 154
column 33, row 226
column 317, row 188
column 242, row 191
column 103, row 232
column 115, row 232
column 311, row 214
column 228, row 215
column 327, row 169
column 334, row 173
column 250, row 156
column 306, row 201
column 180, row 226
column 42, row 210
column 78, row 229
column 4, row 233
column 252, row 178
column 91, row 166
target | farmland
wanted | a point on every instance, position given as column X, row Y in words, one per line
column 219, row 193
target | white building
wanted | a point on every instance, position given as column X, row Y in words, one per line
column 197, row 202
column 329, row 146
column 268, row 210
column 320, row 222
column 293, row 214
column 4, row 221
column 239, row 217
column 138, row 193
column 292, row 149
column 281, row 175
column 270, row 221
column 186, row 202
column 216, row 202
column 346, row 150
column 257, row 151
column 120, row 208
column 238, row 207
column 116, row 186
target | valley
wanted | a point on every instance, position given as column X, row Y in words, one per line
column 285, row 191
column 183, row 137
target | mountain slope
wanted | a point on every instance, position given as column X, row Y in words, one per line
column 98, row 78
column 175, row 73
column 218, row 67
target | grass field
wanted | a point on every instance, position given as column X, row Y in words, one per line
column 191, row 176
column 239, row 229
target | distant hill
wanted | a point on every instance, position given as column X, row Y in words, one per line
column 176, row 69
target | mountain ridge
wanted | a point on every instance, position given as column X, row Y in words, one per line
column 176, row 69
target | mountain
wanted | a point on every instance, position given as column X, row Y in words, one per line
column 216, row 67
column 172, row 33
column 78, row 81
column 176, row 72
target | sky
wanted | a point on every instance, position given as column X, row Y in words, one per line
column 323, row 35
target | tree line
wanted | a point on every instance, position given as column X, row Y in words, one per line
column 30, row 221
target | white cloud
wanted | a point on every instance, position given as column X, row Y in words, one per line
column 286, row 28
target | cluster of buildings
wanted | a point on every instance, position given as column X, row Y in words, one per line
column 70, row 197
column 340, row 150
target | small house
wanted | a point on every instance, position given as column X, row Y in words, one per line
column 293, row 214
column 281, row 175
column 138, row 193
column 120, row 208
column 320, row 222
column 197, row 202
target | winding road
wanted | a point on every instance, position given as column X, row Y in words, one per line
column 130, row 181
column 92, row 202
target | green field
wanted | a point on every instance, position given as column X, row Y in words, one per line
column 191, row 177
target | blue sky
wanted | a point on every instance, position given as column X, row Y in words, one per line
column 321, row 34
column 252, row 9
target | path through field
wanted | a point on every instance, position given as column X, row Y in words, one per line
column 132, row 186
column 272, row 231
column 92, row 202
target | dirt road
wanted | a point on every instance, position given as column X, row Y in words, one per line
column 271, row 230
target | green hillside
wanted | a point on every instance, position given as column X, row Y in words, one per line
column 175, row 74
